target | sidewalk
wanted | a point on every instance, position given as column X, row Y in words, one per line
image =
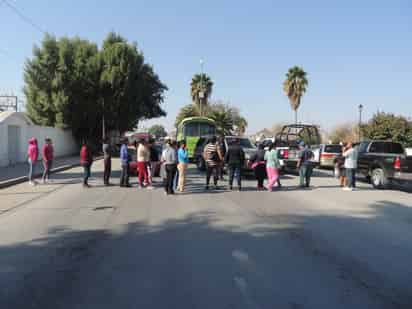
column 11, row 175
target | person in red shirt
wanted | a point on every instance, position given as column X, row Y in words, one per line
column 48, row 156
column 86, row 160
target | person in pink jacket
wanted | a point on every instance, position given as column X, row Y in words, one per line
column 33, row 155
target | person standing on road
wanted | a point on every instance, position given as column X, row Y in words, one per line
column 33, row 155
column 223, row 149
column 351, row 164
column 235, row 159
column 107, row 160
column 259, row 166
column 272, row 166
column 340, row 168
column 86, row 160
column 176, row 147
column 154, row 161
column 183, row 161
column 304, row 165
column 170, row 162
column 143, row 158
column 212, row 157
column 48, row 156
column 124, row 161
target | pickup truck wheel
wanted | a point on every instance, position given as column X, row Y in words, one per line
column 378, row 179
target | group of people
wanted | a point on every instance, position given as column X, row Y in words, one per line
column 47, row 154
column 174, row 161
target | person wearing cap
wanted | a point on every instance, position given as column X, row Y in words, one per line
column 48, row 156
column 304, row 165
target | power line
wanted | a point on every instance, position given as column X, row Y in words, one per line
column 23, row 17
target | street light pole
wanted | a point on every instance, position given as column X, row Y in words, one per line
column 201, row 93
column 360, row 121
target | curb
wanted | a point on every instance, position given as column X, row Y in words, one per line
column 15, row 181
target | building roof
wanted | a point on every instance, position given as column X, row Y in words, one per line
column 19, row 115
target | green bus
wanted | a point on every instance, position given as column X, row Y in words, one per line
column 192, row 129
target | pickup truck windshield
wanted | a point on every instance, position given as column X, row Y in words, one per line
column 244, row 142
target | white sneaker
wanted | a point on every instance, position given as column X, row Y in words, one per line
column 347, row 189
column 150, row 188
column 31, row 183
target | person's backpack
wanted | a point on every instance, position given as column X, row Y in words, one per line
column 214, row 156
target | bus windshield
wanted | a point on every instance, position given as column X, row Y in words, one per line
column 199, row 129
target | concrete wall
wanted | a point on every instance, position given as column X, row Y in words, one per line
column 64, row 143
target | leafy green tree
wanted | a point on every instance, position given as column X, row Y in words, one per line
column 227, row 118
column 201, row 85
column 70, row 83
column 295, row 86
column 187, row 111
column 386, row 126
column 347, row 132
column 157, row 130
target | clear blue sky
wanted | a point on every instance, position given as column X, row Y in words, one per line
column 354, row 52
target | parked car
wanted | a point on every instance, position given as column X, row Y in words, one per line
column 247, row 147
column 328, row 153
column 133, row 161
column 384, row 163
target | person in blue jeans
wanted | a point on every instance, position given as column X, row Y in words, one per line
column 235, row 158
column 124, row 160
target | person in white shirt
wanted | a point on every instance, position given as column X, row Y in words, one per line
column 351, row 164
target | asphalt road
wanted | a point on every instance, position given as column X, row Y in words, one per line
column 62, row 246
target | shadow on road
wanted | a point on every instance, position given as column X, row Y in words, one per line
column 175, row 262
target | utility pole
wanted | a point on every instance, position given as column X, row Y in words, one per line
column 202, row 92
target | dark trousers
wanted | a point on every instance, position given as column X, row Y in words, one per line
column 305, row 173
column 212, row 169
column 124, row 176
column 86, row 173
column 260, row 174
column 47, row 165
column 351, row 177
column 235, row 171
column 107, row 170
column 170, row 177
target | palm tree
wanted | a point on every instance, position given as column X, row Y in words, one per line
column 223, row 120
column 201, row 90
column 295, row 86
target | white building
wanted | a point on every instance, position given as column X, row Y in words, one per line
column 15, row 131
